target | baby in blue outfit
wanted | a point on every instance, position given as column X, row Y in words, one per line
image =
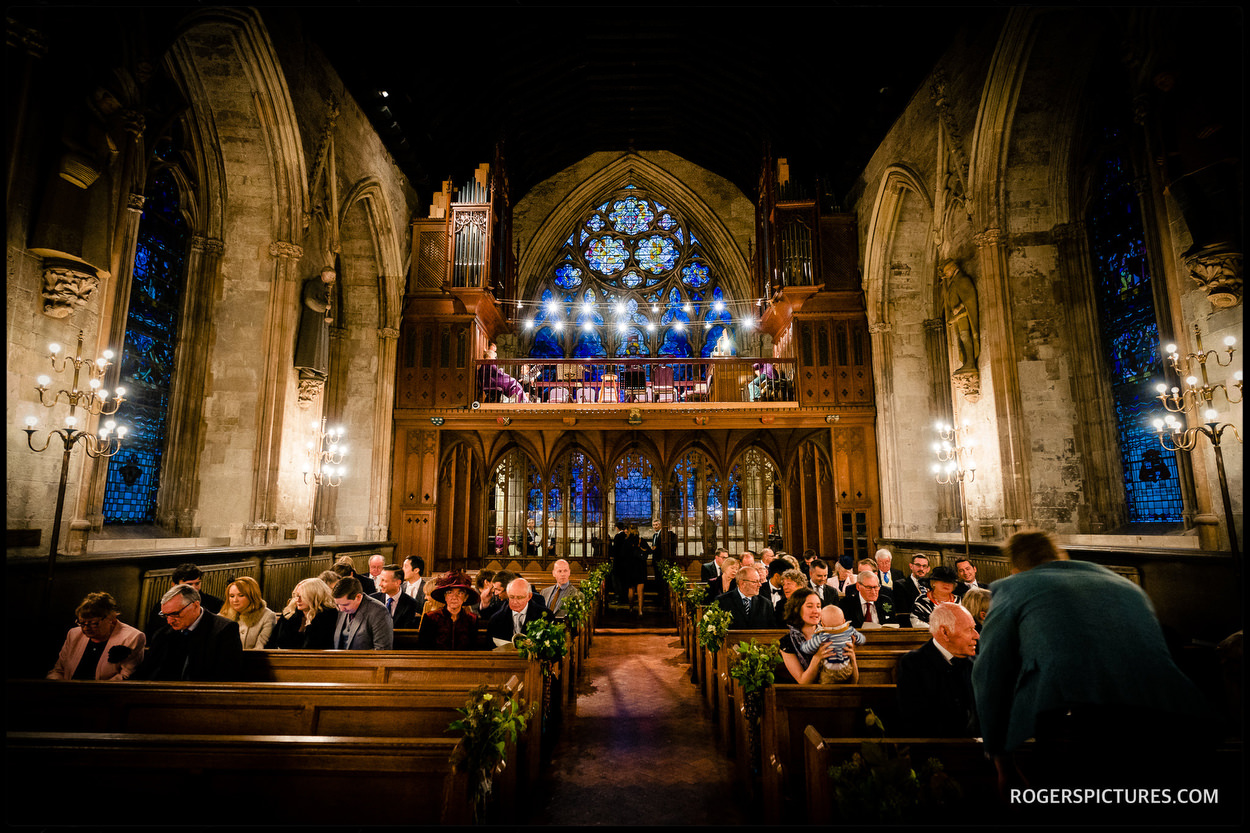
column 834, row 628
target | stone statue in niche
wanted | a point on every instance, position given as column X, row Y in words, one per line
column 959, row 300
column 312, row 343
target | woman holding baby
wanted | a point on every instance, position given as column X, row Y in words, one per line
column 819, row 646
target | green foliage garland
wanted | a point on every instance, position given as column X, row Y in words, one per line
column 713, row 627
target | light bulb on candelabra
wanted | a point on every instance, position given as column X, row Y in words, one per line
column 529, row 323
column 1210, row 415
column 43, row 381
column 748, row 323
column 120, row 392
column 651, row 326
column 1170, row 349
column 1161, row 388
column 95, row 383
column 1229, row 341
column 559, row 326
column 587, row 326
column 678, row 326
column 71, row 420
column 719, row 306
column 655, row 307
column 108, row 354
column 687, row 309
column 621, row 327
column 1191, row 380
column 937, row 468
column 101, row 362
column 32, row 421
column 121, row 430
column 587, row 309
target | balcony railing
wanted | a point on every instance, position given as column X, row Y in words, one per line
column 631, row 380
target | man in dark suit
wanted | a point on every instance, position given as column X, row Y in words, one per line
column 915, row 585
column 711, row 569
column 744, row 605
column 363, row 622
column 191, row 575
column 415, row 584
column 967, row 573
column 523, row 607
column 403, row 608
column 869, row 603
column 771, row 590
column 827, row 593
column 193, row 644
column 935, row 680
column 890, row 578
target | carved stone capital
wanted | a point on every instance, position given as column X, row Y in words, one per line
column 989, row 238
column 135, row 202
column 132, row 122
column 968, row 383
column 309, row 390
column 67, row 286
column 207, row 245
column 287, row 250
column 1068, row 231
column 879, row 327
column 389, row 333
column 1220, row 274
column 934, row 325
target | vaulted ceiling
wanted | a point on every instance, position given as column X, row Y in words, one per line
column 715, row 86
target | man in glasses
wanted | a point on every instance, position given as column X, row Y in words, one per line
column 191, row 575
column 747, row 609
column 194, row 643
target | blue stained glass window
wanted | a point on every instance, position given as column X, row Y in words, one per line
column 631, row 216
column 629, row 247
column 633, row 493
column 606, row 255
column 1130, row 339
column 675, row 344
column 656, row 254
column 696, row 274
column 547, row 345
column 568, row 276
column 589, row 346
column 147, row 360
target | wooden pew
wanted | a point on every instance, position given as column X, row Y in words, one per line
column 834, row 711
column 185, row 708
column 287, row 780
column 962, row 758
column 466, row 669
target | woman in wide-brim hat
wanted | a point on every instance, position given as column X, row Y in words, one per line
column 453, row 627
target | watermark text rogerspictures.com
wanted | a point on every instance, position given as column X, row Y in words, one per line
column 1114, row 795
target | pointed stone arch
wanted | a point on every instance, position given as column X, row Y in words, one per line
column 631, row 167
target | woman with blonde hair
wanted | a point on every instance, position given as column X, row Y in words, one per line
column 246, row 606
column 726, row 581
column 977, row 602
column 308, row 619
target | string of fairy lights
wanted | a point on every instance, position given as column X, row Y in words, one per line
column 563, row 313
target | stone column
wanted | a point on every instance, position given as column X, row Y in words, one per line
column 1095, row 430
column 281, row 318
column 998, row 346
column 178, row 501
column 114, row 308
column 383, row 433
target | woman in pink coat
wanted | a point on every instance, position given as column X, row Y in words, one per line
column 100, row 647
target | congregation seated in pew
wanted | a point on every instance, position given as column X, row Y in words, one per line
column 194, row 644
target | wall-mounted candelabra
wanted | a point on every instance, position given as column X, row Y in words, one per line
column 324, row 468
column 93, row 401
column 955, row 465
column 1195, row 402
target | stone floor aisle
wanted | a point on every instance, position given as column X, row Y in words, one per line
column 640, row 750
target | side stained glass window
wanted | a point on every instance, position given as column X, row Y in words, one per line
column 631, row 268
column 147, row 362
column 1130, row 338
